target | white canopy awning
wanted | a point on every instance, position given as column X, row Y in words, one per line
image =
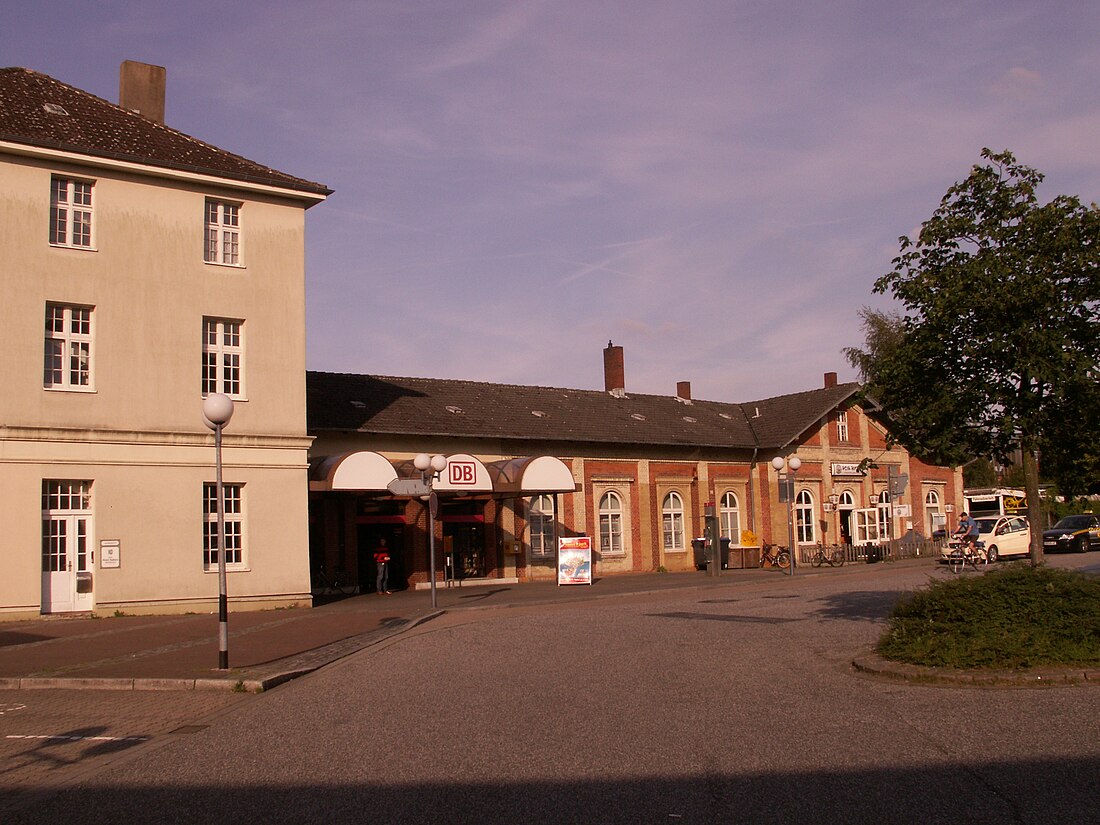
column 361, row 470
column 367, row 471
column 532, row 474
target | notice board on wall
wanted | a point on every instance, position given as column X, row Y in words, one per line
column 575, row 560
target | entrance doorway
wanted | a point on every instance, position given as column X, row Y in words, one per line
column 66, row 547
column 368, row 539
column 465, row 545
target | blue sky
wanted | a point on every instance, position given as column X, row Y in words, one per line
column 713, row 184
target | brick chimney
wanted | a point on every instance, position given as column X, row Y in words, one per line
column 683, row 390
column 141, row 89
column 614, row 373
column 830, row 379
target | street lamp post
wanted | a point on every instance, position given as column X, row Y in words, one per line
column 217, row 409
column 787, row 484
column 430, row 467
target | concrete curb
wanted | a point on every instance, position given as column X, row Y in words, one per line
column 872, row 664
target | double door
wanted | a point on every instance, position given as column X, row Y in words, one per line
column 67, row 563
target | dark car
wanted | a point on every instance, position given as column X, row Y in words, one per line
column 1077, row 533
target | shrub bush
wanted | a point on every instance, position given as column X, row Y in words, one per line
column 1015, row 617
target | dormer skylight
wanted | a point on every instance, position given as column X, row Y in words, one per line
column 55, row 109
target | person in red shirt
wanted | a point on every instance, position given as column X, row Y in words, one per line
column 382, row 563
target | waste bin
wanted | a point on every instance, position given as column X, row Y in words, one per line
column 874, row 553
column 699, row 547
column 725, row 545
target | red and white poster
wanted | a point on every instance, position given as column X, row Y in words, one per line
column 575, row 560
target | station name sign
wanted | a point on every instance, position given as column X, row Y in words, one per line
column 846, row 469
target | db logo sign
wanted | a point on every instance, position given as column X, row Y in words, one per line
column 462, row 473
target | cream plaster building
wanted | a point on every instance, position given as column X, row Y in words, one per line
column 143, row 269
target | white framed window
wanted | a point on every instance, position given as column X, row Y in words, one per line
column 936, row 518
column 885, row 513
column 672, row 522
column 70, row 212
column 804, row 517
column 540, row 523
column 729, row 519
column 234, row 525
column 222, row 233
column 67, row 354
column 842, row 425
column 223, row 357
column 611, row 524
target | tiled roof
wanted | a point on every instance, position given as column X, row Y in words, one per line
column 778, row 421
column 88, row 125
column 468, row 409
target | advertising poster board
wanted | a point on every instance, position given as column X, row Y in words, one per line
column 575, row 560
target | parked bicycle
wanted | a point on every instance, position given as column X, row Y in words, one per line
column 775, row 556
column 961, row 554
column 338, row 582
column 833, row 556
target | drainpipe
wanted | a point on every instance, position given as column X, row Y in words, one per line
column 752, row 490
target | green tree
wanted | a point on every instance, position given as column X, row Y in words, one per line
column 1000, row 344
column 979, row 473
column 882, row 332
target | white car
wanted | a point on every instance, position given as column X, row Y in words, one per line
column 1001, row 536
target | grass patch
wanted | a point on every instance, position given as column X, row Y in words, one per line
column 1015, row 617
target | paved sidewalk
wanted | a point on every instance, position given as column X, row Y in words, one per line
column 271, row 646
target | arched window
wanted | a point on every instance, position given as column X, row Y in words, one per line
column 611, row 524
column 846, row 500
column 804, row 517
column 672, row 521
column 540, row 519
column 936, row 519
column 729, row 518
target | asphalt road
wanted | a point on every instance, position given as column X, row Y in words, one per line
column 725, row 705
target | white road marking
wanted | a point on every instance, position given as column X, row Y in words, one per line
column 63, row 738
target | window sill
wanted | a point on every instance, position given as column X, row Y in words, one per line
column 224, row 265
column 85, row 390
column 74, row 246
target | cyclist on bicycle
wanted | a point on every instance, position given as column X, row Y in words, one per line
column 967, row 531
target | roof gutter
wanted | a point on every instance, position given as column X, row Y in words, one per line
column 165, row 169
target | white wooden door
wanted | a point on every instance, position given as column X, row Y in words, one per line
column 66, row 564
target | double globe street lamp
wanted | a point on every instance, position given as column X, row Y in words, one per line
column 430, row 467
column 787, row 494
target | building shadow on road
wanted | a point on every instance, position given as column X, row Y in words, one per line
column 1062, row 790
column 859, row 604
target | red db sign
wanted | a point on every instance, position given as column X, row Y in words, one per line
column 462, row 473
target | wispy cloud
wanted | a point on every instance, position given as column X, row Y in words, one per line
column 714, row 184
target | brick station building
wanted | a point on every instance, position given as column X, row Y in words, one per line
column 633, row 471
